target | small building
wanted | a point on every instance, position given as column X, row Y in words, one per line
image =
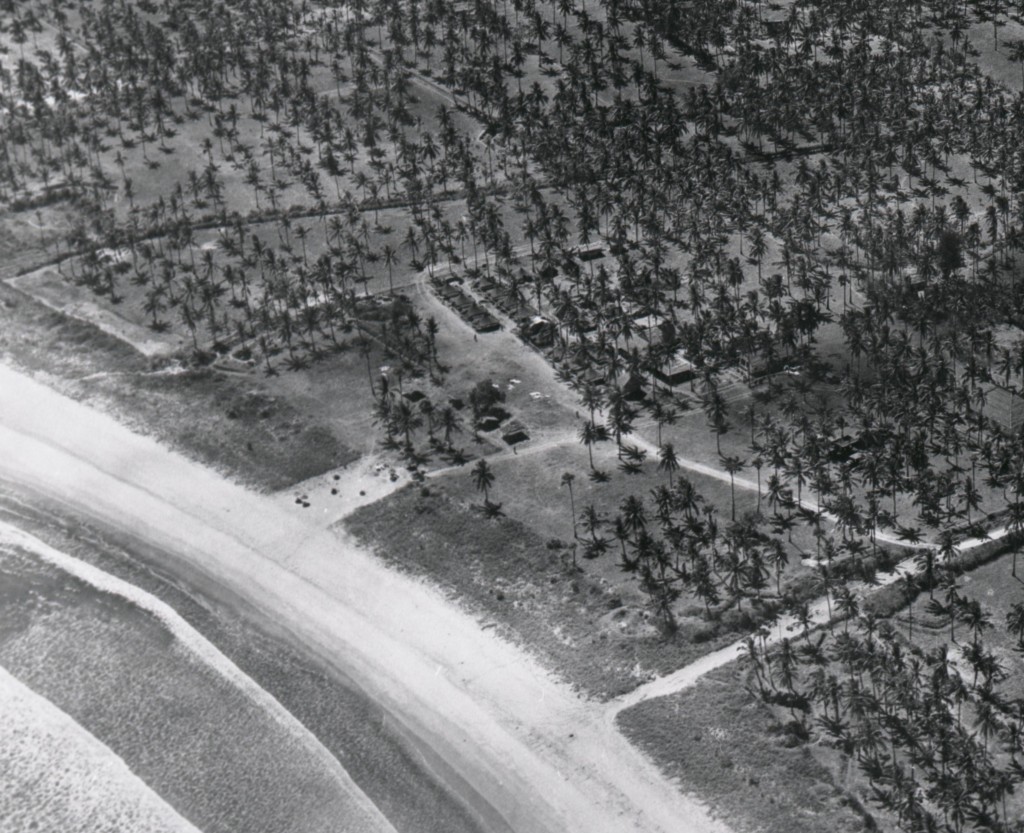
column 647, row 327
column 842, row 448
column 633, row 390
column 515, row 432
column 488, row 423
column 775, row 22
column 678, row 371
column 484, row 322
column 540, row 331
column 760, row 367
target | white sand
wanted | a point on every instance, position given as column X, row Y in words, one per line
column 491, row 711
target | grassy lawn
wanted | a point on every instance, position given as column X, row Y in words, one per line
column 247, row 426
column 40, row 339
column 530, row 490
column 719, row 742
column 993, row 585
column 580, row 624
column 235, row 425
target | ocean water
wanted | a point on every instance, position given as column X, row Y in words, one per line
column 183, row 718
column 213, row 753
column 57, row 778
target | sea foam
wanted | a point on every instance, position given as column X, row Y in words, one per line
column 58, row 778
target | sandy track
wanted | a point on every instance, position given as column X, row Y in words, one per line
column 539, row 757
column 819, row 614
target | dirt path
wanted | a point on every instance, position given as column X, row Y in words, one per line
column 534, row 753
column 686, row 464
column 786, row 626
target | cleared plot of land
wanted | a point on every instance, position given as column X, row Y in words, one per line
column 995, row 587
column 530, row 489
column 56, row 292
column 773, row 768
column 239, row 424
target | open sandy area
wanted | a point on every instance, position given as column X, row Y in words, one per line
column 534, row 754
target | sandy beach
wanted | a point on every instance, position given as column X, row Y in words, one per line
column 539, row 756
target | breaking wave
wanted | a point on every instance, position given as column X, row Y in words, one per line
column 160, row 702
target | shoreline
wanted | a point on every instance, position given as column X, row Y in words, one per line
column 527, row 745
column 85, row 780
column 169, row 575
column 194, row 668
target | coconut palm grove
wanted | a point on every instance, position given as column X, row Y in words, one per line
column 680, row 343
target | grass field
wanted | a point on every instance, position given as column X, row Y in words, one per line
column 238, row 424
column 530, row 489
column 994, row 586
column 718, row 741
column 587, row 629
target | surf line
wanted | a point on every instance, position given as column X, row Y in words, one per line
column 206, row 653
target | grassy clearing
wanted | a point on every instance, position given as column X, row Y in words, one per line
column 235, row 425
column 530, row 488
column 744, row 757
column 993, row 585
column 722, row 744
column 582, row 626
column 242, row 425
column 41, row 340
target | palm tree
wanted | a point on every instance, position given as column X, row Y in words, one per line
column 390, row 257
column 668, row 462
column 779, row 558
column 590, row 434
column 567, row 481
column 592, row 522
column 450, row 423
column 483, row 478
column 1015, row 623
column 717, row 413
column 733, row 465
column 634, row 516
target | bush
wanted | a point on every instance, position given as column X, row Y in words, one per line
column 484, row 396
